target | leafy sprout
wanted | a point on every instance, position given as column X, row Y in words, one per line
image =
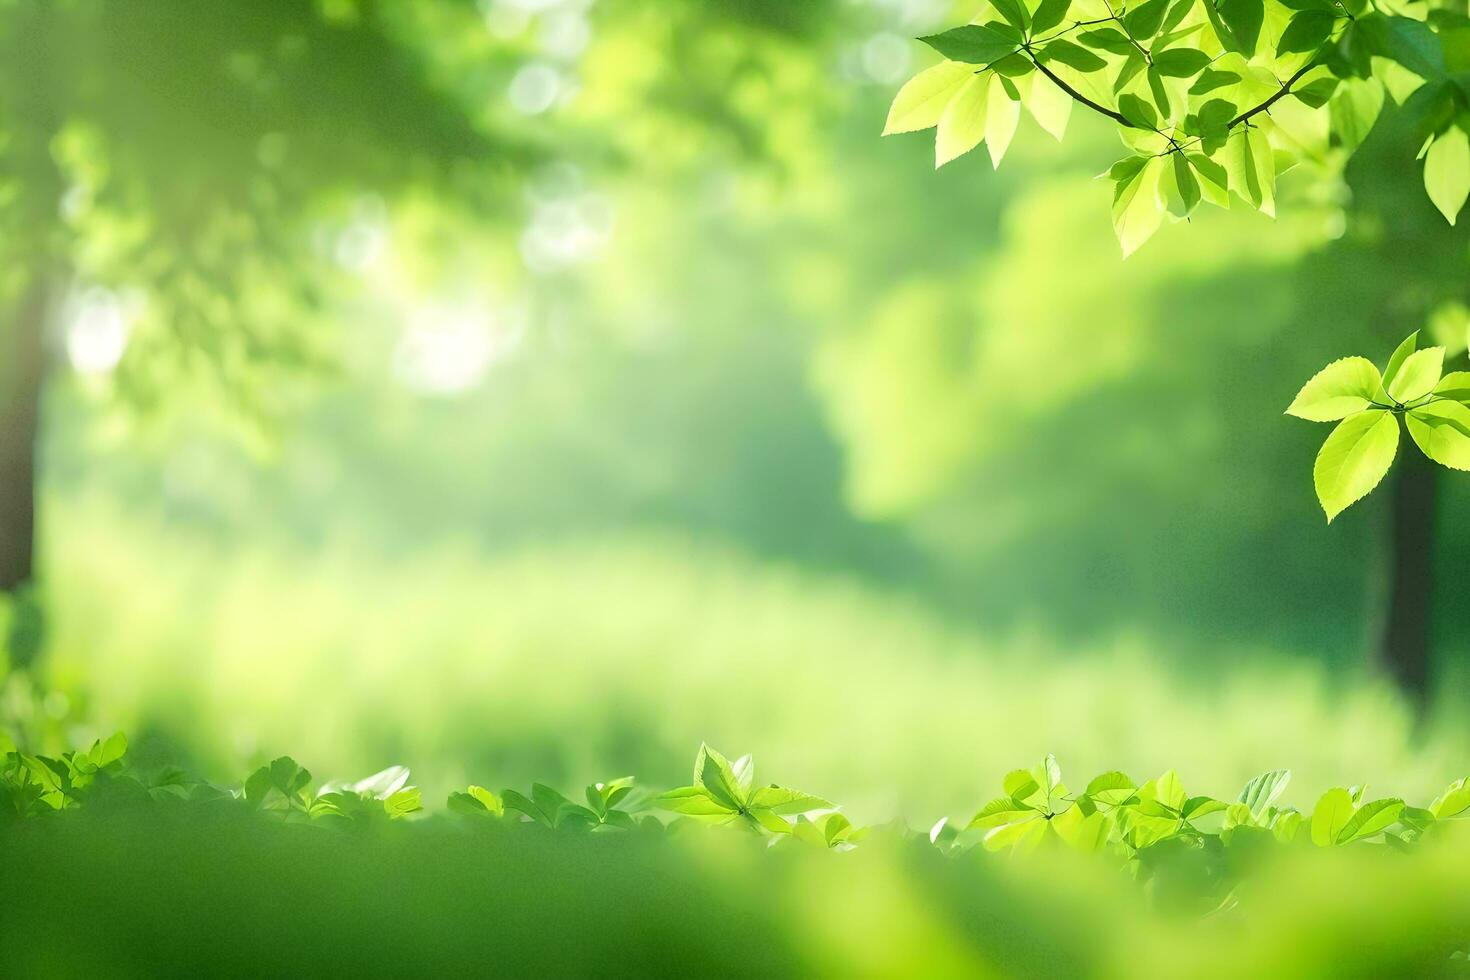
column 1368, row 405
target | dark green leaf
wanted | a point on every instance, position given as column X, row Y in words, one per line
column 1049, row 15
column 976, row 44
column 1306, row 32
column 1409, row 42
column 1107, row 39
column 1144, row 21
column 1242, row 20
column 1181, row 62
column 1072, row 56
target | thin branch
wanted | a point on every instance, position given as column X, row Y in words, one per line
column 1078, row 96
column 1281, row 94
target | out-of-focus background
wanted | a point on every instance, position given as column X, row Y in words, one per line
column 535, row 388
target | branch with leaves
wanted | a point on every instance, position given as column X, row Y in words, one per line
column 1367, row 407
column 1213, row 98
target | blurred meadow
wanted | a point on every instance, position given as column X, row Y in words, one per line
column 536, row 388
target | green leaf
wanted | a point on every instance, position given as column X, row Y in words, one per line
column 1370, row 819
column 1262, row 791
column 1071, row 55
column 1137, row 206
column 1002, row 115
column 1048, row 105
column 1210, row 79
column 921, row 102
column 1180, row 187
column 1316, row 92
column 1181, row 62
column 477, row 799
column 1014, row 12
column 1354, row 459
column 1340, row 389
column 1455, row 385
column 1441, row 429
column 1306, row 32
column 780, row 799
column 1353, row 109
column 1417, row 376
column 1111, row 788
column 1049, row 14
column 1447, row 172
column 109, row 751
column 1144, row 21
column 1137, row 111
column 1411, row 43
column 1160, row 93
column 714, row 772
column 1108, row 39
column 402, row 803
column 1001, row 811
column 1454, row 802
column 1252, row 168
column 692, row 801
column 1396, row 360
column 1334, row 809
column 1214, row 182
column 1201, row 806
column 1242, row 20
column 962, row 126
column 976, row 44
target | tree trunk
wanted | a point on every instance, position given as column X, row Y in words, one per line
column 1404, row 651
column 23, row 357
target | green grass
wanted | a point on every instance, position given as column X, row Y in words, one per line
column 592, row 659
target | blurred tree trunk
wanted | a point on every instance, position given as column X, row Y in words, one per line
column 23, row 356
column 1404, row 647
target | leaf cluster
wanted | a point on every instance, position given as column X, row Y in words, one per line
column 1368, row 407
column 1213, row 98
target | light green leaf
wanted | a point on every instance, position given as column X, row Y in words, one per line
column 1262, row 791
column 1002, row 114
column 1252, row 168
column 1447, row 172
column 1111, row 788
column 1400, row 354
column 1022, row 835
column 962, row 126
column 1002, row 810
column 1441, row 429
column 1138, row 209
column 1455, row 385
column 1337, row 391
column 779, row 799
column 1354, row 108
column 1333, row 811
column 692, row 800
column 1370, row 818
column 1048, row 105
column 1453, row 802
column 1354, row 459
column 921, row 102
column 1417, row 376
column 714, row 772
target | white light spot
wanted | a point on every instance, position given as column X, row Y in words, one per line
column 448, row 348
column 535, row 88
column 96, row 331
column 886, row 58
column 564, row 34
